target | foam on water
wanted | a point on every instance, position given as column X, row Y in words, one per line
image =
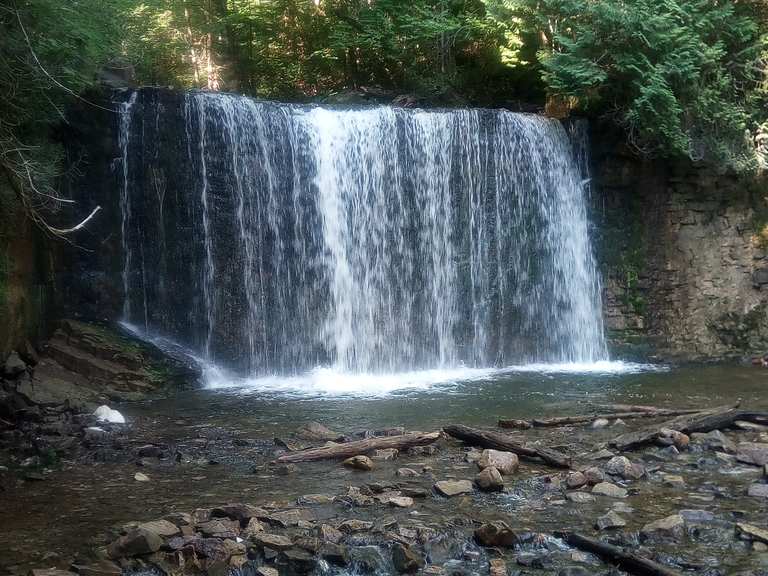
column 324, row 381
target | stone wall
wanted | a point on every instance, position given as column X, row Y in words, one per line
column 684, row 265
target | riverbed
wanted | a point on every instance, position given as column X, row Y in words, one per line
column 214, row 445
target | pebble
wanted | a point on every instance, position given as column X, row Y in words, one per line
column 359, row 463
column 141, row 477
column 610, row 490
column 669, row 524
column 609, row 521
column 452, row 488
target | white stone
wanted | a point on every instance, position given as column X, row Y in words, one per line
column 106, row 414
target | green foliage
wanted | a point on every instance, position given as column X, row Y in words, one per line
column 677, row 74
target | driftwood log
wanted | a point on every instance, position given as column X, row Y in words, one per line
column 620, row 557
column 715, row 419
column 504, row 442
column 358, row 447
column 587, row 418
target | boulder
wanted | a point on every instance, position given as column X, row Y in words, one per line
column 273, row 541
column 752, row 453
column 496, row 534
column 671, row 524
column 594, row 475
column 267, row 571
column 253, row 527
column 674, row 481
column 14, row 366
column 579, row 497
column 452, row 488
column 610, row 490
column 359, row 463
column 750, row 532
column 405, row 559
column 609, row 521
column 619, row 466
column 136, row 542
column 297, row 561
column 505, row 462
column 575, row 480
column 758, row 490
column 678, row 439
column 400, row 501
column 714, row 440
column 329, row 534
column 489, row 480
column 334, row 553
column 219, row 528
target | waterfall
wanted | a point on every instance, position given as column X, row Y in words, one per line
column 366, row 240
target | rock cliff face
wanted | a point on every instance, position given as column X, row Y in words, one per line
column 684, row 263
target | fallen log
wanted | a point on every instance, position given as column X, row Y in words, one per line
column 620, row 557
column 715, row 419
column 640, row 408
column 506, row 443
column 358, row 447
column 586, row 418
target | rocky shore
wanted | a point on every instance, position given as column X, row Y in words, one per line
column 686, row 504
column 48, row 398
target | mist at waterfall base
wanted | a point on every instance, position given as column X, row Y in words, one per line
column 357, row 252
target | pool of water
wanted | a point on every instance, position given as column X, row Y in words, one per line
column 432, row 399
column 220, row 432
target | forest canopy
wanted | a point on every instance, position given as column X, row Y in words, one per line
column 681, row 77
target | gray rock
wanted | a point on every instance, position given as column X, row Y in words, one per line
column 505, row 462
column 619, row 466
column 136, row 542
column 297, row 561
column 329, row 533
column 334, row 553
column 575, row 480
column 407, row 472
column 750, row 532
column 489, row 480
column 609, row 521
column 273, row 541
column 452, row 488
column 14, row 366
column 697, row 516
column 610, row 490
column 594, row 475
column 405, row 559
column 758, row 490
column 670, row 525
column 715, row 440
column 600, row 423
column 579, row 497
column 752, row 453
column 674, row 481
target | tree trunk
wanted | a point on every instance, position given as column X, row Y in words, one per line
column 349, row 449
column 498, row 441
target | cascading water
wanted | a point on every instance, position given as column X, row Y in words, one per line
column 368, row 240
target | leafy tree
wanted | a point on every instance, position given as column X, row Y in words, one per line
column 678, row 75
